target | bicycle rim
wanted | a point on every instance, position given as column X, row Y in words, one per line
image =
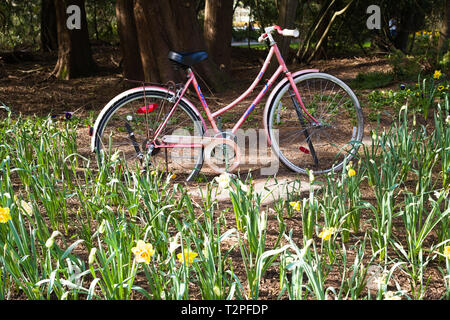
column 303, row 145
column 128, row 130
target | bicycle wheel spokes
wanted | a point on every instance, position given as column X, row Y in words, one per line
column 130, row 130
column 303, row 144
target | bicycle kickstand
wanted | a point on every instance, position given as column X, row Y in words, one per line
column 306, row 133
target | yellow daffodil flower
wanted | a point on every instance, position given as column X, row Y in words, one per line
column 326, row 233
column 437, row 74
column 295, row 205
column 4, row 215
column 187, row 256
column 447, row 252
column 440, row 88
column 351, row 172
column 143, row 252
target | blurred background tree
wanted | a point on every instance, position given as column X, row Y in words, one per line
column 74, row 47
column 328, row 28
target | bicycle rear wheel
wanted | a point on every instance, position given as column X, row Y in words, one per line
column 303, row 145
column 129, row 125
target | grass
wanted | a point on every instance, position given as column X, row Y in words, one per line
column 73, row 229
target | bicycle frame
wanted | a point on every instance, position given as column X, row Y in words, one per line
column 211, row 116
column 216, row 140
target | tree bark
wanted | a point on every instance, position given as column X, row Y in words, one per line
column 129, row 45
column 74, row 50
column 404, row 29
column 286, row 20
column 320, row 21
column 153, row 42
column 217, row 29
column 49, row 35
column 412, row 18
column 325, row 33
column 444, row 29
column 164, row 25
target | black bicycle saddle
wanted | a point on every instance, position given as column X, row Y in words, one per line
column 187, row 59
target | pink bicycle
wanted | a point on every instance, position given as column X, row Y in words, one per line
column 313, row 121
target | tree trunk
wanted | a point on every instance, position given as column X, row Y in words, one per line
column 74, row 50
column 49, row 35
column 152, row 40
column 325, row 33
column 95, row 21
column 217, row 29
column 402, row 38
column 129, row 45
column 411, row 19
column 444, row 29
column 320, row 20
column 286, row 20
column 164, row 25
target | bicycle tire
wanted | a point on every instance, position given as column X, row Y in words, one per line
column 129, row 105
column 341, row 124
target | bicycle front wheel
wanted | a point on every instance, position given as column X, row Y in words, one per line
column 300, row 143
column 129, row 125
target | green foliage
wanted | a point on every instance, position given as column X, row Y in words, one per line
column 348, row 35
column 420, row 96
column 19, row 24
column 101, row 17
column 444, row 62
column 404, row 67
column 265, row 12
column 380, row 99
column 244, row 34
column 74, row 229
column 372, row 80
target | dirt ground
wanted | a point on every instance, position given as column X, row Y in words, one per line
column 27, row 89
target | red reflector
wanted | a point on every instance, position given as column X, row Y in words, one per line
column 147, row 109
column 91, row 130
column 304, row 150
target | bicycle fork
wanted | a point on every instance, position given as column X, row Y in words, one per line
column 305, row 131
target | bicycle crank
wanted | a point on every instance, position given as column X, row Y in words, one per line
column 219, row 150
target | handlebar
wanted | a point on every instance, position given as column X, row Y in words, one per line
column 284, row 32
